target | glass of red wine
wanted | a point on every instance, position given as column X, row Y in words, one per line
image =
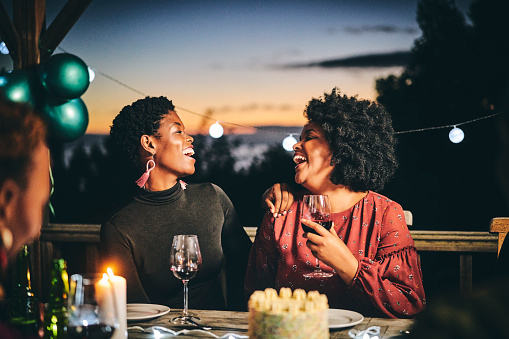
column 185, row 261
column 91, row 311
column 316, row 208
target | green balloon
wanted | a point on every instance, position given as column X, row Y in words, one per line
column 64, row 75
column 67, row 121
column 20, row 86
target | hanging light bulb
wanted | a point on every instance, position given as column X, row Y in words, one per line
column 216, row 130
column 91, row 74
column 3, row 48
column 456, row 135
column 288, row 142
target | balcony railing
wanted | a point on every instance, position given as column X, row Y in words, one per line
column 464, row 244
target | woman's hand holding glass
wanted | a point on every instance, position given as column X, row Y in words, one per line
column 331, row 250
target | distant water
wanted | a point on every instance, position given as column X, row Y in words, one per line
column 250, row 146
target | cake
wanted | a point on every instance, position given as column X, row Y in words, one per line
column 288, row 315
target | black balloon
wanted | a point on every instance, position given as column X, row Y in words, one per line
column 64, row 75
column 66, row 121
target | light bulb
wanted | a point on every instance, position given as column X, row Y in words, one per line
column 288, row 143
column 3, row 48
column 216, row 130
column 91, row 74
column 456, row 135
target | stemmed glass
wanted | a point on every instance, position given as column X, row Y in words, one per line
column 92, row 308
column 185, row 260
column 316, row 208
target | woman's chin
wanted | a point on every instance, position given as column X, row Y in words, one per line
column 298, row 179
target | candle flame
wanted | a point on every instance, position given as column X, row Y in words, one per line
column 105, row 276
column 110, row 272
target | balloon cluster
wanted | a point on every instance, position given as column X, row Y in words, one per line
column 53, row 88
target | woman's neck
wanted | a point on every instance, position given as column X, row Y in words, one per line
column 158, row 182
column 342, row 198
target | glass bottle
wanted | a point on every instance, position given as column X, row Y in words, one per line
column 55, row 316
column 24, row 306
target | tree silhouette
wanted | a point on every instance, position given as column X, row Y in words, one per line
column 443, row 85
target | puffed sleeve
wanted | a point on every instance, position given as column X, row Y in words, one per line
column 116, row 252
column 391, row 283
column 263, row 259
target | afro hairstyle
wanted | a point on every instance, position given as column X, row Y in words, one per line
column 361, row 137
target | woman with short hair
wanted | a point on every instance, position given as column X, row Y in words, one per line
column 137, row 240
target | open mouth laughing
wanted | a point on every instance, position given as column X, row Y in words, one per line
column 299, row 159
column 188, row 151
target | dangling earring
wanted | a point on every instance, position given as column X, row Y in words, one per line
column 143, row 179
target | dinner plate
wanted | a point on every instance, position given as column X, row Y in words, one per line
column 343, row 318
column 137, row 312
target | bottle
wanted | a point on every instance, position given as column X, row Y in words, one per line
column 24, row 307
column 55, row 316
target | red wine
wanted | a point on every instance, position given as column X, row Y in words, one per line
column 184, row 272
column 99, row 331
column 326, row 224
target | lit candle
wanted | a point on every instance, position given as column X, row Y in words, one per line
column 120, row 292
column 103, row 290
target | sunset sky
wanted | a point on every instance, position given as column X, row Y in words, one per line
column 250, row 63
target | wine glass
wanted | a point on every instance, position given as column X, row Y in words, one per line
column 92, row 307
column 185, row 260
column 316, row 208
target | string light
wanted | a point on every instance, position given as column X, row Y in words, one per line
column 216, row 130
column 288, row 142
column 456, row 135
column 3, row 48
column 91, row 74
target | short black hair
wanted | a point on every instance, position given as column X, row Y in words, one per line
column 141, row 117
column 361, row 137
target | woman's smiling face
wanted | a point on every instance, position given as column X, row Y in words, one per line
column 173, row 147
column 312, row 157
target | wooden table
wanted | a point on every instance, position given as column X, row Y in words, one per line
column 388, row 327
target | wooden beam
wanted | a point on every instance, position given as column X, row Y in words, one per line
column 28, row 19
column 61, row 25
column 9, row 34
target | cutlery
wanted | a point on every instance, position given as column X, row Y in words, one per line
column 195, row 324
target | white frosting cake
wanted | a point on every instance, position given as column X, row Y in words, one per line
column 288, row 315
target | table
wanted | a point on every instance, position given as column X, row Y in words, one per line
column 388, row 327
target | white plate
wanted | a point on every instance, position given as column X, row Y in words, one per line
column 343, row 318
column 145, row 311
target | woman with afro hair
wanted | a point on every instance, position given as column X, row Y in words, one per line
column 347, row 152
column 137, row 240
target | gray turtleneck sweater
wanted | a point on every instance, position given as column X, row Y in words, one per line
column 137, row 240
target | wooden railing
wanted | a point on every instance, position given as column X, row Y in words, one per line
column 465, row 244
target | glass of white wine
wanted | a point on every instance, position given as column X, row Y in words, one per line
column 185, row 261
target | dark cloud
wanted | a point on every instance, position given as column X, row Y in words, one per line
column 389, row 29
column 376, row 60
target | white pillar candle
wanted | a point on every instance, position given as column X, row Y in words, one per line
column 120, row 292
column 103, row 290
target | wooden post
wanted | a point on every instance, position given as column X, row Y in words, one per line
column 466, row 274
column 28, row 19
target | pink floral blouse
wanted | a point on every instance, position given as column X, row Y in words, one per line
column 388, row 282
